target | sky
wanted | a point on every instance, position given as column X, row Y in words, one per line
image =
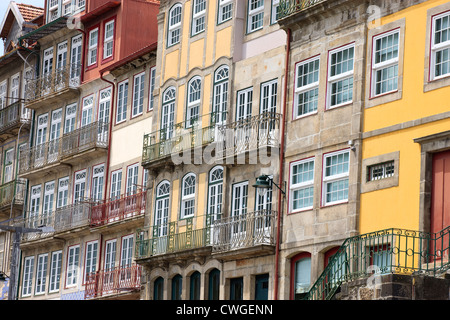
column 4, row 5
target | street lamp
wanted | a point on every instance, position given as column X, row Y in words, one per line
column 263, row 183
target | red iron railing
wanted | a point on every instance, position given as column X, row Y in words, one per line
column 114, row 281
column 115, row 210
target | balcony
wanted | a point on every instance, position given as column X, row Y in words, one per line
column 173, row 143
column 251, row 234
column 12, row 118
column 290, row 7
column 53, row 88
column 248, row 139
column 114, row 211
column 82, row 144
column 13, row 191
column 62, row 220
column 117, row 281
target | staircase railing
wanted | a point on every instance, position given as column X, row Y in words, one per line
column 396, row 251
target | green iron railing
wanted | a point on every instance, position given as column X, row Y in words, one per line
column 390, row 251
column 288, row 7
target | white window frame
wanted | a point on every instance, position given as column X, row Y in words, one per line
column 3, row 94
column 273, row 13
column 310, row 88
column 104, row 105
column 73, row 264
column 75, row 58
column 93, row 47
column 174, row 24
column 110, row 254
column 326, row 180
column 108, row 41
column 63, row 192
column 138, row 94
column 188, row 196
column 239, row 204
column 27, row 278
column 162, row 208
column 253, row 13
column 70, row 117
column 132, row 179
column 194, row 98
column 440, row 47
column 305, row 184
column 126, row 255
column 220, row 96
column 215, row 192
column 35, row 203
column 53, row 10
column 151, row 99
column 55, row 124
column 122, row 101
column 79, row 186
column 8, row 165
column 47, row 203
column 55, row 272
column 14, row 92
column 87, row 111
column 198, row 17
column 116, row 184
column 225, row 11
column 340, row 77
column 244, row 102
column 269, row 93
column 168, row 112
column 41, row 274
column 97, row 182
column 61, row 55
column 384, row 65
column 47, row 63
column 91, row 257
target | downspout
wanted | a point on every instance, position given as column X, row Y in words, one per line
column 281, row 183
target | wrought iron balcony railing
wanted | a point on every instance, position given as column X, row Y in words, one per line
column 119, row 209
column 390, row 251
column 52, row 83
column 71, row 144
column 12, row 191
column 62, row 219
column 181, row 137
column 248, row 134
column 289, row 7
column 14, row 115
column 114, row 281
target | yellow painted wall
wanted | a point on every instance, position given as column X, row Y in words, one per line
column 398, row 207
column 223, row 43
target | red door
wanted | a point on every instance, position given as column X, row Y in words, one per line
column 440, row 202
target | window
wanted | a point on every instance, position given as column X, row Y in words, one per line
column 220, row 94
column 47, row 64
column 255, row 15
column 132, row 179
column 158, row 289
column 55, row 271
column 214, row 284
column 198, row 16
column 116, row 184
column 104, row 106
column 3, row 95
column 55, row 125
column 188, row 196
column 440, row 46
column 244, row 104
column 14, row 90
column 47, row 206
column 239, row 204
column 269, row 97
column 168, row 113
column 61, row 56
column 306, row 87
column 151, row 100
column 27, row 280
column 301, row 275
column 225, row 11
column 73, row 261
column 162, row 208
column 8, row 165
column 275, row 11
column 75, row 59
column 87, row 111
column 195, row 286
column 174, row 30
column 380, row 171
column 79, row 186
column 385, row 63
column 301, row 188
column 335, row 177
column 41, row 273
column 263, row 204
column 127, row 251
column 92, row 48
column 2, row 250
column 108, row 42
column 215, row 193
column 138, row 94
column 122, row 100
column 97, row 182
column 110, row 255
column 340, row 76
column 35, row 200
column 69, row 123
column 53, row 10
column 193, row 103
column 177, row 285
column 90, row 262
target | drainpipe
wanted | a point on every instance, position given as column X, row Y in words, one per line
column 281, row 183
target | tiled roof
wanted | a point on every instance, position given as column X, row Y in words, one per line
column 29, row 12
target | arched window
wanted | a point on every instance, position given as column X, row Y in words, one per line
column 188, row 196
column 215, row 193
column 195, row 286
column 220, row 94
column 168, row 113
column 193, row 101
column 162, row 208
column 300, row 275
column 177, row 283
column 198, row 16
column 158, row 289
column 214, row 284
column 174, row 26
